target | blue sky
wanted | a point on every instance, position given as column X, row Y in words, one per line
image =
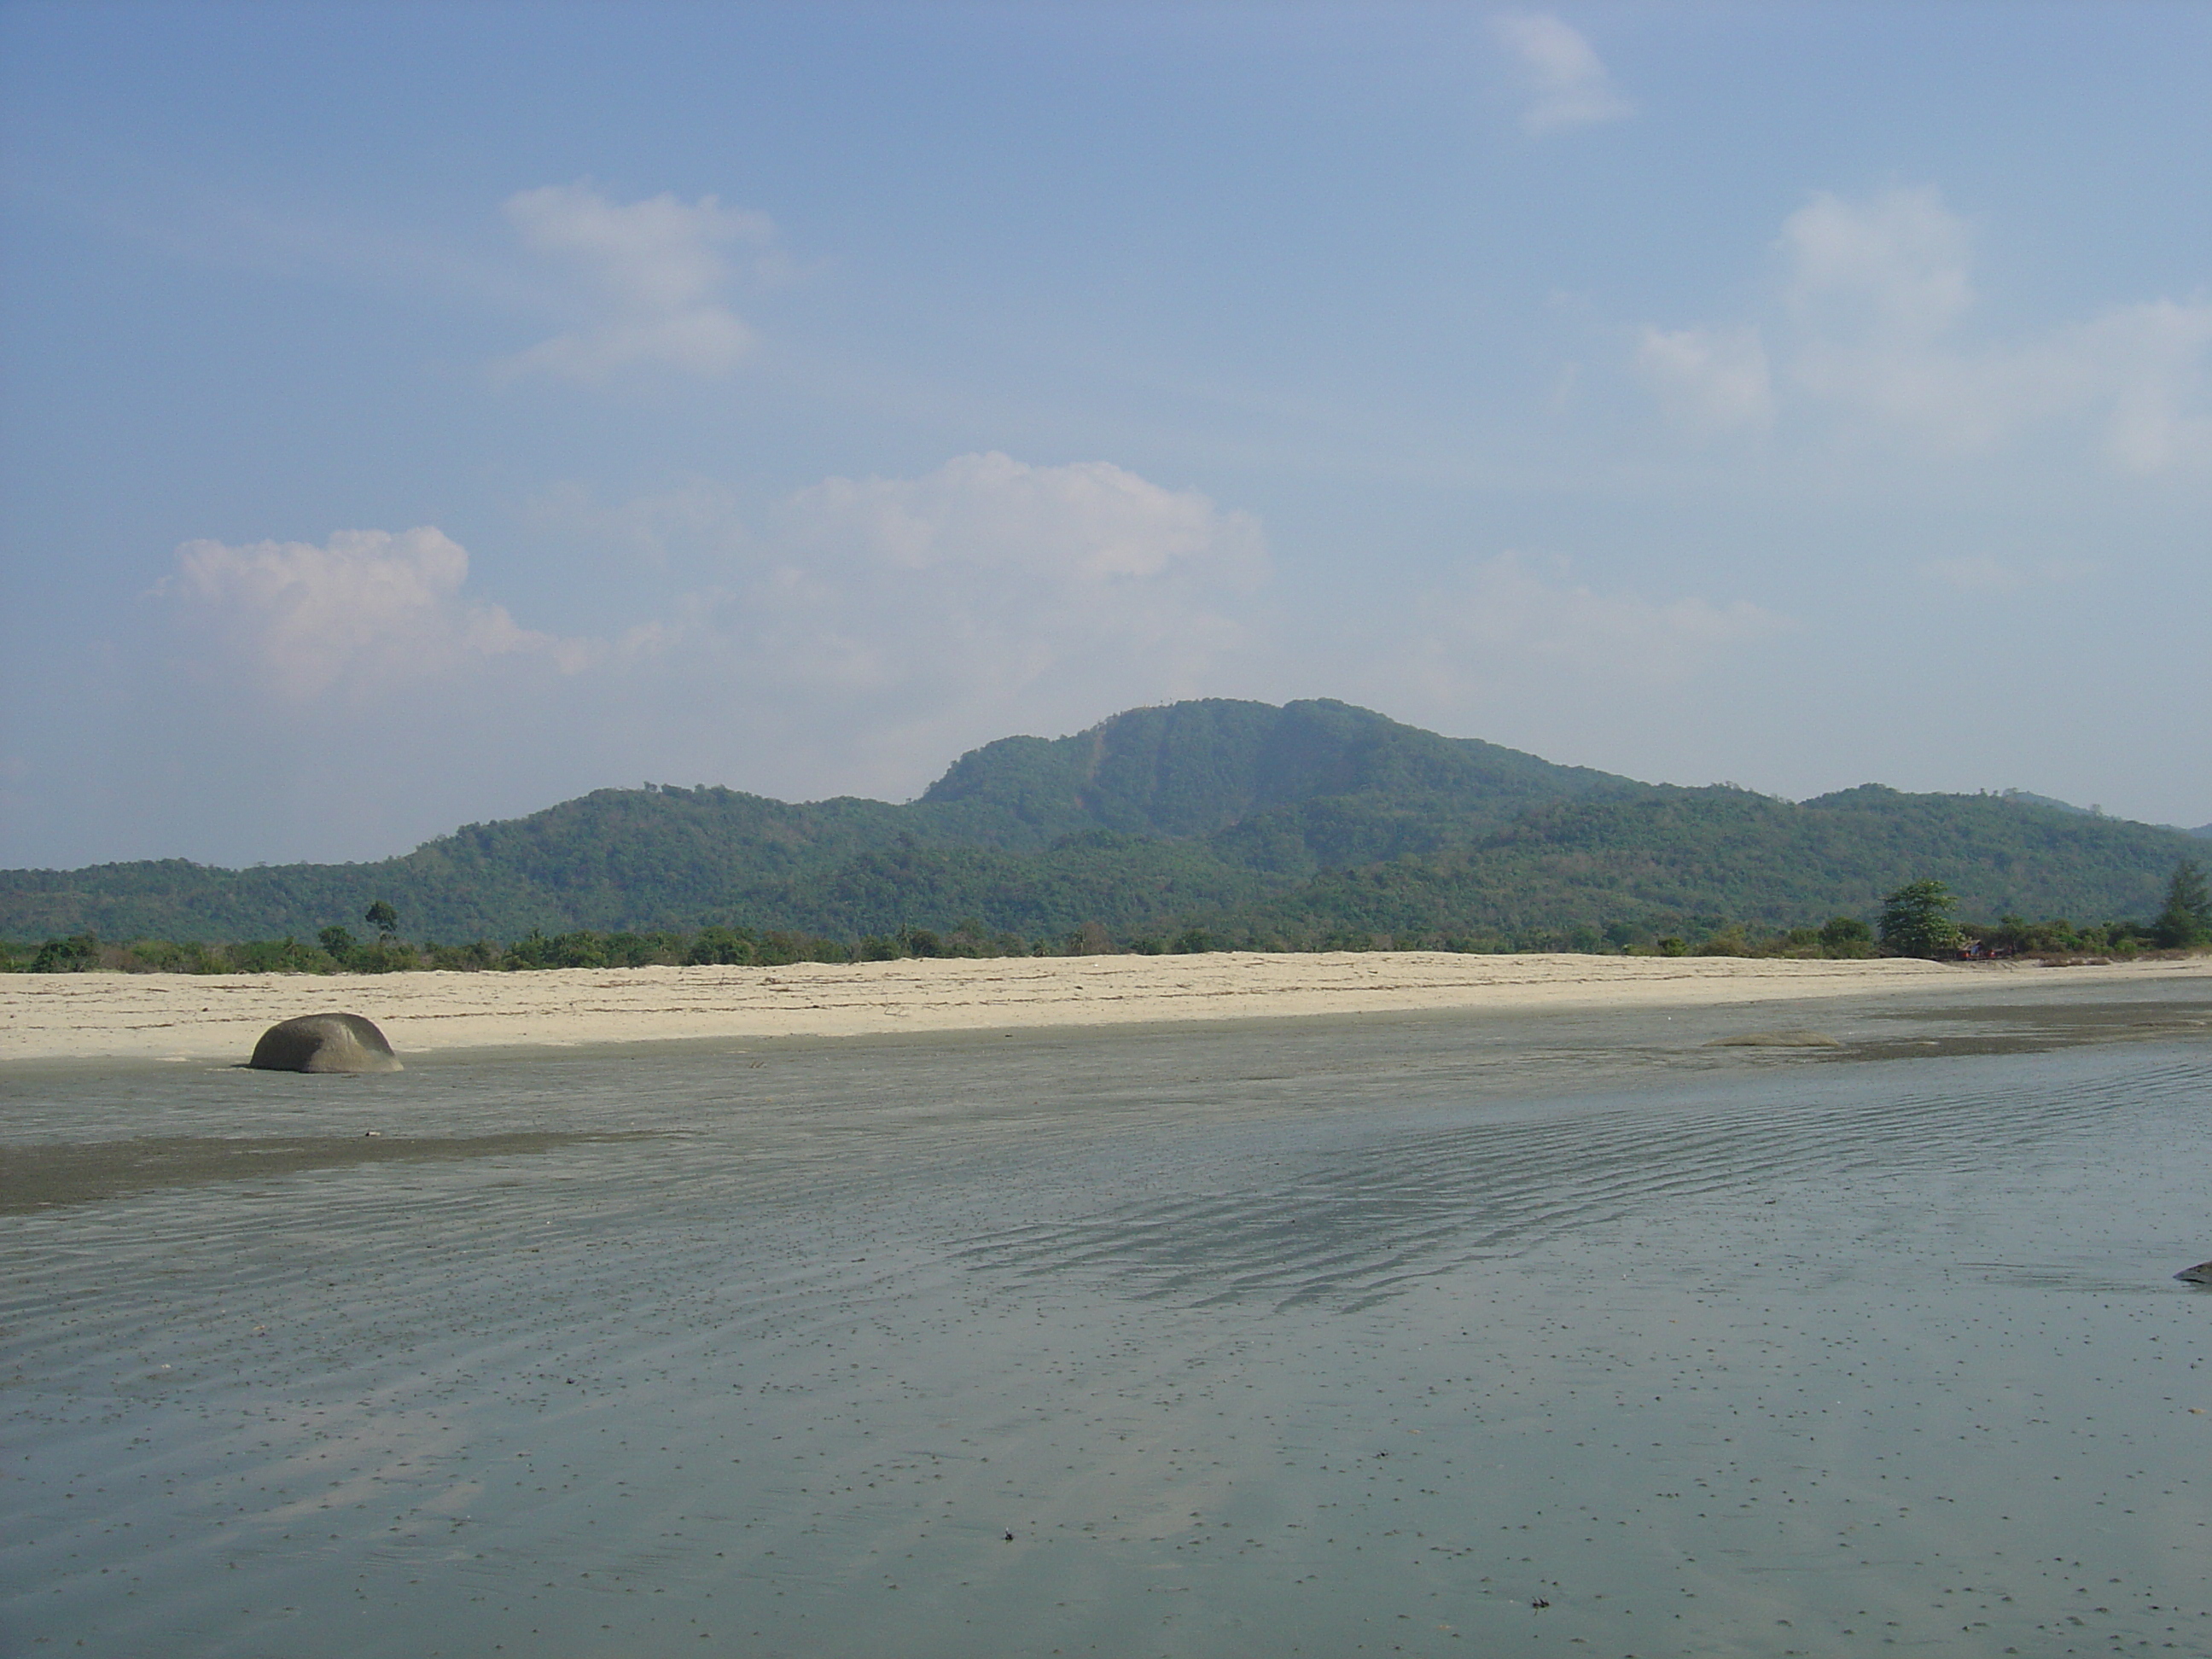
column 419, row 415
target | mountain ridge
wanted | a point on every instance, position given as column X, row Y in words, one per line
column 1311, row 820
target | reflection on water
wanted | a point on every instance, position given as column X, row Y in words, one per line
column 1247, row 1357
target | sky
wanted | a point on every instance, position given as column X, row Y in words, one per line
column 413, row 415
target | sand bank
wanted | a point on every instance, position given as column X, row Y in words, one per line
column 189, row 1017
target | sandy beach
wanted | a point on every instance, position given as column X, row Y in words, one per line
column 191, row 1018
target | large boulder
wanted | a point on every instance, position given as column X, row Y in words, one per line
column 324, row 1043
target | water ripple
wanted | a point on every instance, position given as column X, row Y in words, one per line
column 1362, row 1221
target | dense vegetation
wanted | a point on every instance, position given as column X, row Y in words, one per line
column 1210, row 823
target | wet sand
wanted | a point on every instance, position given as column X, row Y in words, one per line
column 1352, row 1333
column 158, row 1130
column 191, row 1018
column 41, row 1175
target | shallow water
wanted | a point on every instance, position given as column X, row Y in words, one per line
column 1323, row 1337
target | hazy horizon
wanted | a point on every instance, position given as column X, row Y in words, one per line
column 415, row 416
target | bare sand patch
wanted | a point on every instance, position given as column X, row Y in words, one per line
column 196, row 1018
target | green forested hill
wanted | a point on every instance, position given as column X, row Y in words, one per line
column 1343, row 784
column 1312, row 822
column 1029, row 833
column 1670, row 858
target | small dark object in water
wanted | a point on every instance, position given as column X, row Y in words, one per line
column 324, row 1043
column 1010, row 1538
column 2199, row 1274
column 1776, row 1040
column 1540, row 1604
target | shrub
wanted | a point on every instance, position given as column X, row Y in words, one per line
column 386, row 955
column 161, row 955
column 473, row 958
column 1092, row 939
column 721, row 947
column 77, row 954
column 1845, row 938
column 275, row 955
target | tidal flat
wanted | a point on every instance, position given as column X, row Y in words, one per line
column 1424, row 1333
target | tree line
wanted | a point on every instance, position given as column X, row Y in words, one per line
column 1917, row 919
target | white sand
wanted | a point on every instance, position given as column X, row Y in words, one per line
column 189, row 1017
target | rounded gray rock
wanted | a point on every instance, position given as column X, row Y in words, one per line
column 324, row 1043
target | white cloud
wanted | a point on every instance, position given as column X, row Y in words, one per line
column 896, row 618
column 2151, row 359
column 1087, row 526
column 1711, row 377
column 367, row 608
column 1897, row 266
column 868, row 631
column 1567, row 84
column 1875, row 299
column 656, row 272
column 347, row 699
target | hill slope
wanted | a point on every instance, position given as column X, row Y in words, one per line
column 1312, row 822
column 1346, row 784
column 1670, row 858
column 1029, row 834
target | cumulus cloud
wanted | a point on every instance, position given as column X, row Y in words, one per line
column 346, row 698
column 2149, row 361
column 368, row 608
column 1711, row 377
column 654, row 273
column 892, row 618
column 1567, row 85
column 1086, row 528
column 1875, row 305
column 1896, row 265
column 867, row 630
